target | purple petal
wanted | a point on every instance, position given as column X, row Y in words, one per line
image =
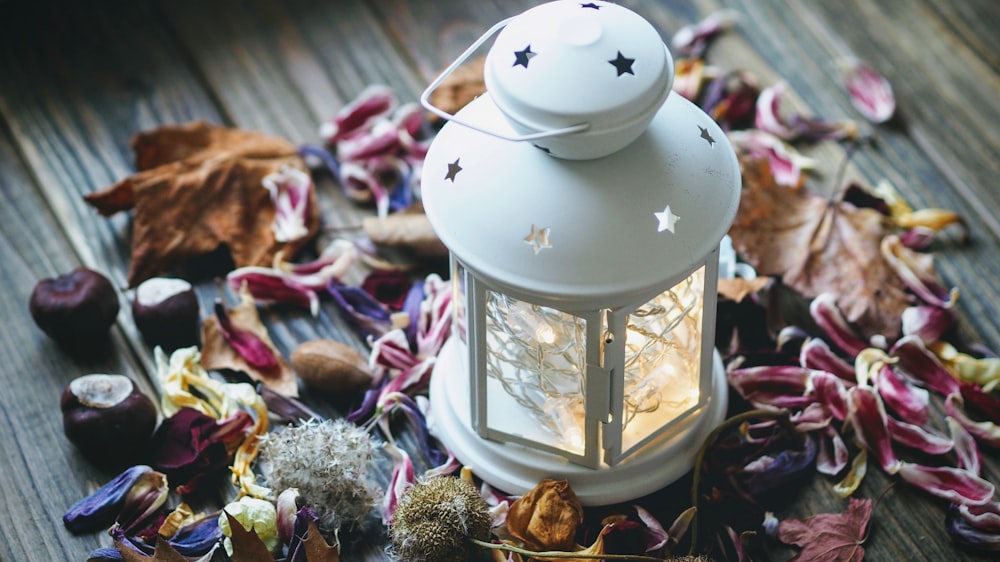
column 358, row 307
column 871, row 94
column 867, row 415
column 967, row 531
column 816, row 354
column 374, row 103
column 827, row 315
column 910, row 403
column 198, row 538
column 296, row 548
column 767, row 473
column 135, row 493
column 953, row 484
column 920, row 364
column 656, row 535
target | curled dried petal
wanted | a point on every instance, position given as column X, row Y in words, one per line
column 372, row 104
column 547, row 517
column 831, row 392
column 953, row 484
column 914, row 359
column 290, row 190
column 917, row 238
column 985, row 431
column 776, row 386
column 909, row 402
column 871, row 94
column 253, row 349
column 984, row 372
column 403, row 476
column 692, row 39
column 933, row 219
column 286, row 508
column 787, row 164
column 816, row 354
column 917, row 272
column 854, row 477
column 832, row 455
column 273, row 286
column 831, row 320
column 767, row 474
column 867, row 415
column 966, row 528
column 927, row 322
column 916, row 437
column 768, row 118
column 966, row 450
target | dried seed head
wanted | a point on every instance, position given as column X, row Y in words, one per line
column 435, row 519
column 328, row 463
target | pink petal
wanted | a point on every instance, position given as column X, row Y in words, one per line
column 691, row 39
column 916, row 437
column 953, row 484
column 816, row 354
column 833, row 455
column 985, row 432
column 768, row 116
column 915, row 360
column 250, row 347
column 917, row 272
column 269, row 286
column 373, row 103
column 786, row 163
column 966, row 449
column 867, row 415
column 290, row 190
column 828, row 317
column 381, row 141
column 777, row 386
column 871, row 94
column 917, row 238
column 831, row 392
column 403, row 477
column 985, row 517
column 910, row 403
column 927, row 322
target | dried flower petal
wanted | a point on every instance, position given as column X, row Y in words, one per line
column 909, row 402
column 859, row 468
column 286, row 508
column 816, row 354
column 917, row 238
column 832, row 455
column 966, row 450
column 547, row 517
column 769, row 119
column 271, row 286
column 366, row 314
column 731, row 98
column 787, row 164
column 372, row 104
column 831, row 392
column 765, row 474
column 403, row 476
column 916, row 437
column 128, row 498
column 914, row 359
column 190, row 446
column 984, row 372
column 871, row 94
column 291, row 191
column 953, row 484
column 776, row 386
column 689, row 77
column 985, row 431
column 830, row 319
column 867, row 415
column 692, row 39
column 927, row 322
column 916, row 271
column 246, row 343
column 976, row 527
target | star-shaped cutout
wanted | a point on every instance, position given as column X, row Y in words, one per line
column 539, row 238
column 668, row 220
column 522, row 57
column 622, row 64
column 707, row 136
column 453, row 170
column 590, row 5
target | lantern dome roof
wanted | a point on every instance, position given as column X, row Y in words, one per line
column 581, row 233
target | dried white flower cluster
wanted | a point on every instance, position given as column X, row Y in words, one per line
column 328, row 462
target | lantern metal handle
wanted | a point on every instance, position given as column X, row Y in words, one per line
column 425, row 98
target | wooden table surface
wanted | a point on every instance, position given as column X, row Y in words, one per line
column 78, row 79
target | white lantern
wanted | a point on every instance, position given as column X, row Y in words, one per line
column 583, row 207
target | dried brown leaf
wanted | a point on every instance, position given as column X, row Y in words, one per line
column 247, row 546
column 463, row 86
column 199, row 187
column 216, row 353
column 830, row 536
column 738, row 288
column 817, row 245
column 547, row 517
column 316, row 547
column 164, row 553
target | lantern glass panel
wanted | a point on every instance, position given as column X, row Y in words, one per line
column 662, row 361
column 535, row 361
column 459, row 307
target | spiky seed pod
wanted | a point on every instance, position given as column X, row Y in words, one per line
column 435, row 519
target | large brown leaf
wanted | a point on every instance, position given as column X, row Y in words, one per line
column 817, row 245
column 199, row 187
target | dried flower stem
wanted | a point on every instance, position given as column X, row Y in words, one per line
column 780, row 415
column 563, row 554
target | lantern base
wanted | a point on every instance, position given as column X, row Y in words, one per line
column 516, row 469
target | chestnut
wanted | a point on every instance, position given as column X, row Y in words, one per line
column 108, row 418
column 165, row 311
column 76, row 309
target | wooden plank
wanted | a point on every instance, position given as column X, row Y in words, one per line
column 42, row 473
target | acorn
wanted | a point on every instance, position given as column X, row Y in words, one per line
column 108, row 418
column 75, row 309
column 331, row 367
column 165, row 311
